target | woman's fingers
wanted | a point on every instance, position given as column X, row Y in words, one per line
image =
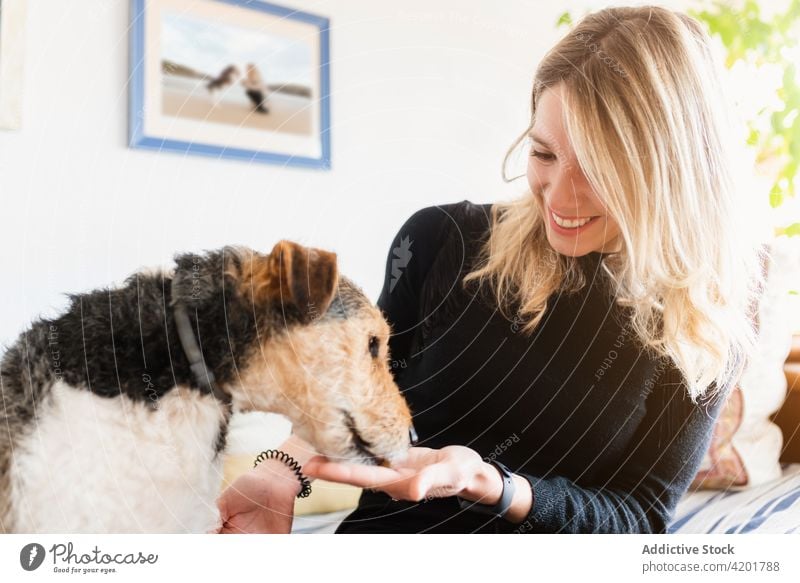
column 354, row 474
column 431, row 481
column 410, row 483
column 416, row 458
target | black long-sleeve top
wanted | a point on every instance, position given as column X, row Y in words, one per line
column 606, row 435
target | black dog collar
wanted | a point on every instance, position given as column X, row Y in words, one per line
column 201, row 373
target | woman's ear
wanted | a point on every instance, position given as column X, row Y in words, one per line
column 293, row 275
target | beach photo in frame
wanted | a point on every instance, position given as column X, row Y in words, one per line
column 12, row 41
column 238, row 79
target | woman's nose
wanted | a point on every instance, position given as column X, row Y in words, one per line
column 570, row 190
column 412, row 435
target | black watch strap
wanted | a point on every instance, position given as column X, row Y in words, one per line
column 506, row 497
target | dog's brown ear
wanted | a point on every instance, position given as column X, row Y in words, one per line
column 303, row 277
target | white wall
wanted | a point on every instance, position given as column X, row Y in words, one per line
column 426, row 97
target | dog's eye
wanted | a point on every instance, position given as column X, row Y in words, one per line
column 374, row 346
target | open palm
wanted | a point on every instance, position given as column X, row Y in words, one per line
column 422, row 474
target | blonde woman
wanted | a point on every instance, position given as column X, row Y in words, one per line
column 565, row 355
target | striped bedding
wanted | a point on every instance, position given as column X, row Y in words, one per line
column 773, row 508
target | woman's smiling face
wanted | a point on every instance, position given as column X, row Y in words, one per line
column 562, row 189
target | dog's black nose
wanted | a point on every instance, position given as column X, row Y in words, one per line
column 412, row 435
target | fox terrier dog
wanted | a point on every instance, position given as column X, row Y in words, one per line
column 115, row 413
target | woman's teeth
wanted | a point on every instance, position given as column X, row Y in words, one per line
column 570, row 224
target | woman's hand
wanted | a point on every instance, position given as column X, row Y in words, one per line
column 423, row 474
column 259, row 501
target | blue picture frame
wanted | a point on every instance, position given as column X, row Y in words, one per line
column 139, row 138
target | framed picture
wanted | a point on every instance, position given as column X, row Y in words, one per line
column 12, row 41
column 239, row 79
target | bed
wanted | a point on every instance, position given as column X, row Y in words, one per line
column 773, row 507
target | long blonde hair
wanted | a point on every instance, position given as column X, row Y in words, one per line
column 646, row 116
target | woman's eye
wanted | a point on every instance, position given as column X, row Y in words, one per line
column 374, row 346
column 544, row 156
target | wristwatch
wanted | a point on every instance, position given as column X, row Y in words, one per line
column 506, row 497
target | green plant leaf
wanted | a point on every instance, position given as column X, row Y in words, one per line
column 564, row 20
column 776, row 196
